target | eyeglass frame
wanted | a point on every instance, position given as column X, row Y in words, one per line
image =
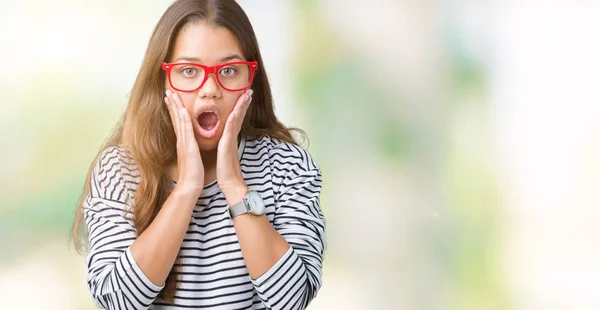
column 167, row 67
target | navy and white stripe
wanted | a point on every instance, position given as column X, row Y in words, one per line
column 213, row 274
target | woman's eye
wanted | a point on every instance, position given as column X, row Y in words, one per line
column 188, row 72
column 228, row 71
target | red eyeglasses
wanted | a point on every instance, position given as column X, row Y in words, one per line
column 231, row 76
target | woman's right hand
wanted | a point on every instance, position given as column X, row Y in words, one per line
column 189, row 162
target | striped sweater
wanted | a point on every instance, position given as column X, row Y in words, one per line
column 213, row 274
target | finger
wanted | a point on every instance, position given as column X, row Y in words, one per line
column 244, row 101
column 245, row 110
column 177, row 99
column 180, row 106
column 169, row 105
column 182, row 114
column 188, row 133
column 240, row 102
column 177, row 118
column 237, row 110
column 241, row 113
column 172, row 113
column 178, row 103
column 230, row 122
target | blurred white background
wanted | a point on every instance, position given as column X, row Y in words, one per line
column 459, row 141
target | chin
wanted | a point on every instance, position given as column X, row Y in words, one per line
column 209, row 144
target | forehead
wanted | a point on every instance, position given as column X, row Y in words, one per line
column 210, row 44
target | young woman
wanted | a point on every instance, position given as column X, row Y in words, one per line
column 201, row 198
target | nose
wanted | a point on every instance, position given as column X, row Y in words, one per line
column 211, row 88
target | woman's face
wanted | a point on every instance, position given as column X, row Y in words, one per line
column 207, row 45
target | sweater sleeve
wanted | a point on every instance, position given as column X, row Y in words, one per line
column 295, row 279
column 114, row 278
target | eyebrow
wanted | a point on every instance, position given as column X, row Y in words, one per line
column 196, row 59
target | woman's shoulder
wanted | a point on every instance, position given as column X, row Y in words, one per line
column 115, row 157
column 283, row 154
column 115, row 173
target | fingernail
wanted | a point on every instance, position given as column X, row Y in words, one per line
column 250, row 92
column 168, row 92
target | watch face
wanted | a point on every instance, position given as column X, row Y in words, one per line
column 255, row 203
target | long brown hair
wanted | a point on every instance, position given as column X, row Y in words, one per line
column 145, row 128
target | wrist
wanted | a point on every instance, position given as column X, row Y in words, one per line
column 186, row 192
column 235, row 193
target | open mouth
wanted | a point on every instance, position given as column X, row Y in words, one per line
column 208, row 120
column 207, row 123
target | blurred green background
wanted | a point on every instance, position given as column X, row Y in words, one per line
column 459, row 143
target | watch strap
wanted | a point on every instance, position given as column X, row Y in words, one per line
column 238, row 208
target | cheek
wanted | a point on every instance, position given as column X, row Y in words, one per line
column 187, row 99
column 229, row 103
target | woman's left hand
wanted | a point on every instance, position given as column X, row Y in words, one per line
column 229, row 173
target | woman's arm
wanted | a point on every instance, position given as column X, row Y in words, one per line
column 156, row 249
column 262, row 246
column 126, row 271
column 285, row 260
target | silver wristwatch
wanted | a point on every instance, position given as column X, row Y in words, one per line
column 252, row 204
